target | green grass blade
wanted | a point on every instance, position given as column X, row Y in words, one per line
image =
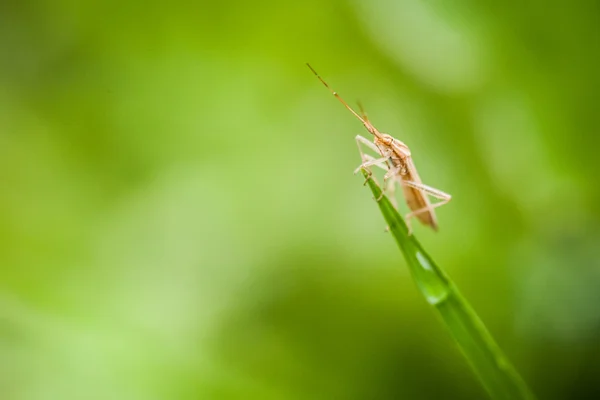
column 491, row 366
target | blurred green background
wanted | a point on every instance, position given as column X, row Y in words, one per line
column 179, row 218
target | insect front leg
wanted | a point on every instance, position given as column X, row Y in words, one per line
column 371, row 159
column 390, row 179
column 367, row 160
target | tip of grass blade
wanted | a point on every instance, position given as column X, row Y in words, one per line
column 493, row 369
column 431, row 281
column 394, row 220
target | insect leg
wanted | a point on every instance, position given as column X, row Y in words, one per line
column 389, row 181
column 438, row 194
column 360, row 140
column 389, row 188
column 368, row 160
column 428, row 190
column 372, row 161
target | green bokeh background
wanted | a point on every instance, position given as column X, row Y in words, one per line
column 179, row 218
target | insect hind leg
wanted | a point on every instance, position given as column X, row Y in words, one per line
column 426, row 190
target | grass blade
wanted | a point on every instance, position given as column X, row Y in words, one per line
column 491, row 366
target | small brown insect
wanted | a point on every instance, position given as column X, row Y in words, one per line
column 396, row 159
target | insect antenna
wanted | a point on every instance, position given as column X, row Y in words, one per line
column 365, row 121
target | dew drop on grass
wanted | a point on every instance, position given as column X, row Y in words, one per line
column 433, row 286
